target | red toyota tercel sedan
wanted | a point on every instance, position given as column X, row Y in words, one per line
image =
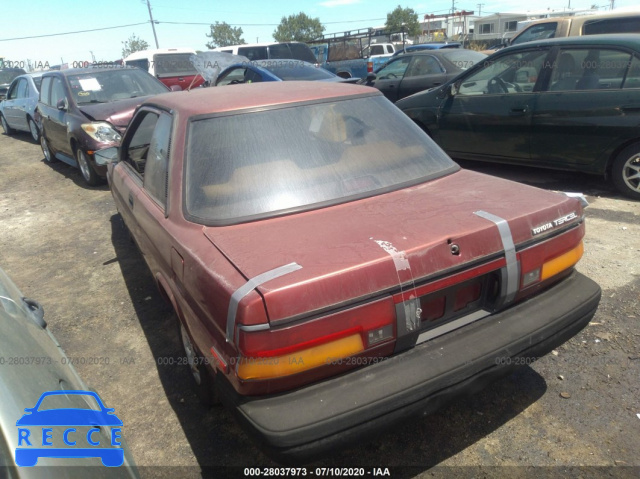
column 333, row 271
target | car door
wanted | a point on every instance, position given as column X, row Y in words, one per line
column 140, row 183
column 424, row 72
column 54, row 118
column 590, row 107
column 388, row 78
column 488, row 117
column 14, row 104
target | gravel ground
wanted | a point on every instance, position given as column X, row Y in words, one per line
column 575, row 412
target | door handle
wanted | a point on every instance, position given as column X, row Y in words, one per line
column 131, row 200
column 519, row 110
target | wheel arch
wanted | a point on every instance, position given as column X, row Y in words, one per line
column 614, row 154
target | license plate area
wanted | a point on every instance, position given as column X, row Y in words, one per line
column 457, row 301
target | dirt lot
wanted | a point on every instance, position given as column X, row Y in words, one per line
column 63, row 244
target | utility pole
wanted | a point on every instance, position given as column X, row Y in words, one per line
column 153, row 26
column 480, row 5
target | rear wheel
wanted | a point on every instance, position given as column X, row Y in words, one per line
column 626, row 171
column 46, row 151
column 33, row 129
column 198, row 369
column 88, row 173
column 5, row 126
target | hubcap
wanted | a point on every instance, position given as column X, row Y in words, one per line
column 34, row 130
column 191, row 354
column 45, row 148
column 631, row 173
column 84, row 165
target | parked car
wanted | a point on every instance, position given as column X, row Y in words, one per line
column 410, row 73
column 427, row 46
column 17, row 111
column 172, row 66
column 567, row 103
column 319, row 259
column 271, row 51
column 34, row 366
column 277, row 70
column 6, row 77
column 84, row 110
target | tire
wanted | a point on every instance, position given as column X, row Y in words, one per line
column 625, row 172
column 88, row 173
column 46, row 151
column 201, row 376
column 34, row 130
column 5, row 126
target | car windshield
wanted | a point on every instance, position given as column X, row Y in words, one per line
column 253, row 165
column 295, row 70
column 112, row 85
column 463, row 59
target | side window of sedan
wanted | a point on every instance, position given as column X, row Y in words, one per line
column 514, row 73
column 147, row 152
column 589, row 69
column 45, row 91
column 424, row 65
column 394, row 69
column 57, row 91
column 13, row 91
column 633, row 76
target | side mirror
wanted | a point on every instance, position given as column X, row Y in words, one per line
column 176, row 88
column 107, row 156
column 62, row 104
column 371, row 77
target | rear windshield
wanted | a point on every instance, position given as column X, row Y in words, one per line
column 295, row 70
column 297, row 51
column 462, row 58
column 173, row 64
column 629, row 24
column 260, row 164
column 112, row 85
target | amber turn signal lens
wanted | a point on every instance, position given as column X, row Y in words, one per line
column 562, row 262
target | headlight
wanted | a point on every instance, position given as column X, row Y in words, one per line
column 102, row 132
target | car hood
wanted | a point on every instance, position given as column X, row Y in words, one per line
column 118, row 113
column 367, row 247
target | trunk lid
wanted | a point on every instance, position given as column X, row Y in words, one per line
column 381, row 244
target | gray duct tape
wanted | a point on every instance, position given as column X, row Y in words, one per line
column 513, row 275
column 249, row 286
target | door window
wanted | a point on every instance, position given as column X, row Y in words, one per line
column 424, row 65
column 589, row 69
column 57, row 91
column 45, row 91
column 147, row 152
column 514, row 73
column 394, row 69
column 23, row 88
column 633, row 77
column 13, row 91
column 233, row 77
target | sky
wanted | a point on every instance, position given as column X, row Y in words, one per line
column 185, row 23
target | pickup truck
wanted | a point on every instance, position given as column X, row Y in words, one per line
column 351, row 55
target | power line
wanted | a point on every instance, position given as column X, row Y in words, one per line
column 72, row 33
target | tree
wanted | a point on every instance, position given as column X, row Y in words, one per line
column 133, row 44
column 223, row 35
column 403, row 19
column 298, row 28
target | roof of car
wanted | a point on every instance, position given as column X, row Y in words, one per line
column 630, row 40
column 200, row 101
column 76, row 71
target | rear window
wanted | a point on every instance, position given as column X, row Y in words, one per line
column 254, row 53
column 296, row 51
column 173, row 64
column 463, row 59
column 254, row 165
column 612, row 25
column 536, row 32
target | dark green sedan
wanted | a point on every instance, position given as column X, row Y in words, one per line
column 569, row 103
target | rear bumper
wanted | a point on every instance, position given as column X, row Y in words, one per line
column 308, row 422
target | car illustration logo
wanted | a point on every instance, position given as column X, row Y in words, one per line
column 34, row 443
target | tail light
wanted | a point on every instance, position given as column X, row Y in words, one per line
column 545, row 261
column 289, row 350
column 369, row 67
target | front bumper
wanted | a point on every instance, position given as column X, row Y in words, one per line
column 305, row 423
